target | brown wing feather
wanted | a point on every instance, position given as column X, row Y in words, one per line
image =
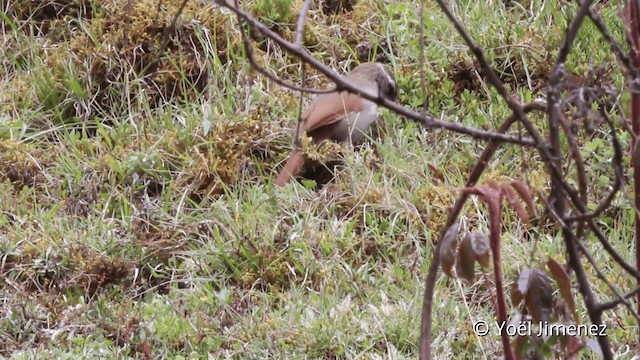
column 329, row 108
column 324, row 111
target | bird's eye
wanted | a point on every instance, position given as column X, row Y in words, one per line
column 391, row 90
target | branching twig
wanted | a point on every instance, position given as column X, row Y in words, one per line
column 562, row 193
column 617, row 169
column 602, row 307
column 252, row 60
column 423, row 80
column 152, row 67
column 300, row 26
column 345, row 85
column 474, row 176
column 615, row 47
column 583, row 283
column 580, row 169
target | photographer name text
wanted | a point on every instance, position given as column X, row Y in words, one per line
column 542, row 328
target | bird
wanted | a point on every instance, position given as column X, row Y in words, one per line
column 341, row 116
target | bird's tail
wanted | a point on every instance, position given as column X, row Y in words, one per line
column 291, row 169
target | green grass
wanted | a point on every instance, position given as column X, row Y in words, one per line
column 132, row 228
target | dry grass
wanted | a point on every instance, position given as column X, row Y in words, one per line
column 137, row 214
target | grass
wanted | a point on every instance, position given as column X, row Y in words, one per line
column 139, row 219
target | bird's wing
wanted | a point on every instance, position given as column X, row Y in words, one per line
column 329, row 108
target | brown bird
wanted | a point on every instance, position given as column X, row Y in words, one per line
column 342, row 116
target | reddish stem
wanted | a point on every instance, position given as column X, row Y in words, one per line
column 634, row 34
column 495, row 223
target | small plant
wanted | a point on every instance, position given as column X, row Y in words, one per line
column 276, row 12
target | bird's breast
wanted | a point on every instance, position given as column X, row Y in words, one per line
column 363, row 119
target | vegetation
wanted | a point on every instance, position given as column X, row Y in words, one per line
column 137, row 213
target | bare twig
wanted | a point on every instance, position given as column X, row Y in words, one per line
column 296, row 134
column 152, row 67
column 423, row 80
column 474, row 175
column 343, row 84
column 583, row 283
column 633, row 36
column 300, row 26
column 615, row 47
column 597, row 306
column 617, row 169
column 580, row 168
column 549, row 152
column 493, row 78
column 612, row 304
column 252, row 60
column 558, row 202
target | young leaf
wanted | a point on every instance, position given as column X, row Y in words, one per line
column 533, row 286
column 539, row 299
column 480, row 246
column 515, row 204
column 448, row 249
column 465, row 266
column 564, row 283
column 520, row 287
column 525, row 193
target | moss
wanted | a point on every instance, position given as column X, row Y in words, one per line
column 228, row 153
column 21, row 164
column 434, row 201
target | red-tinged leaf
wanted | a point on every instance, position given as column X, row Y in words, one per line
column 539, row 298
column 480, row 246
column 513, row 200
column 475, row 190
column 493, row 184
column 495, row 220
column 594, row 346
column 465, row 266
column 520, row 287
column 564, row 283
column 448, row 249
column 534, row 288
column 491, row 193
column 525, row 193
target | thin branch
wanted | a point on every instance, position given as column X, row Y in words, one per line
column 619, row 297
column 296, row 134
column 343, row 84
column 474, row 175
column 596, row 306
column 617, row 169
column 633, row 36
column 615, row 47
column 544, row 151
column 613, row 303
column 300, row 27
column 423, row 80
column 493, row 78
column 583, row 283
column 152, row 67
column 252, row 60
column 581, row 173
